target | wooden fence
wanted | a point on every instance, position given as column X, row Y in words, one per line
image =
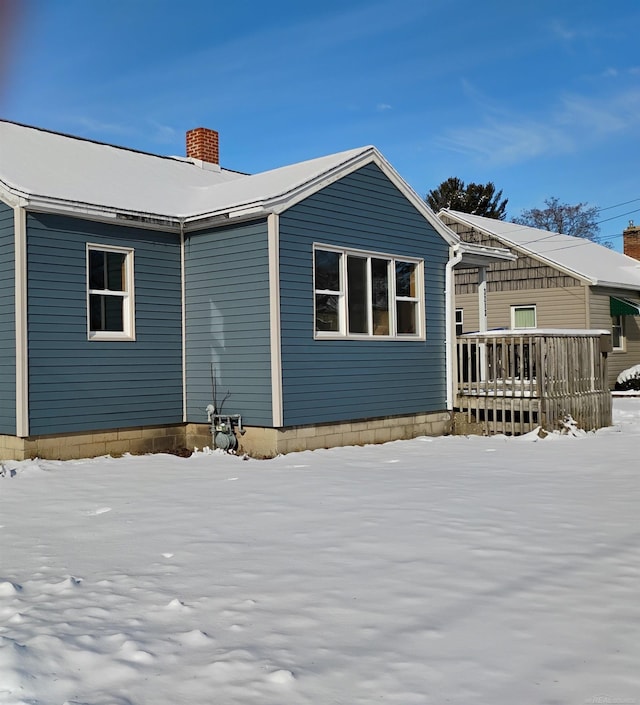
column 514, row 381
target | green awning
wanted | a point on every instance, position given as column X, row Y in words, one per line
column 623, row 307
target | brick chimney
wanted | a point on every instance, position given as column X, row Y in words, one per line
column 202, row 144
column 631, row 240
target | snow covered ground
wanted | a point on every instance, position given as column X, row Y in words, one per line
column 439, row 570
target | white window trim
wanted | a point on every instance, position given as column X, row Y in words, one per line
column 342, row 293
column 128, row 313
column 623, row 338
column 516, row 307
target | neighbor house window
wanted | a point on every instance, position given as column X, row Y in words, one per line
column 360, row 294
column 459, row 321
column 523, row 317
column 617, row 332
column 110, row 305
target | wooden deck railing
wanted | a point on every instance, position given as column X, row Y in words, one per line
column 513, row 381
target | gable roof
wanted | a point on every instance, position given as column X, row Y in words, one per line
column 49, row 171
column 595, row 264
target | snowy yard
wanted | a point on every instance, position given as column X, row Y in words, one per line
column 486, row 571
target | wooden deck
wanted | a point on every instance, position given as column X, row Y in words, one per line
column 514, row 381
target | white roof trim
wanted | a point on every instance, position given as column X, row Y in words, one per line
column 481, row 255
column 83, row 178
column 285, row 200
column 420, row 204
column 523, row 250
column 586, row 261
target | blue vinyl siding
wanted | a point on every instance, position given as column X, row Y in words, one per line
column 7, row 322
column 329, row 381
column 76, row 384
column 227, row 284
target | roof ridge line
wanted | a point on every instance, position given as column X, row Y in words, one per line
column 93, row 141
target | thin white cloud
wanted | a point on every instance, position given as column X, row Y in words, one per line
column 567, row 33
column 91, row 125
column 594, row 117
column 121, row 133
column 561, row 31
column 577, row 121
column 164, row 134
column 381, row 107
column 502, row 143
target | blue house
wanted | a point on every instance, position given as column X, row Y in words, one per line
column 137, row 290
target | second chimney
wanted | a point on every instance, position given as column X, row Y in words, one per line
column 203, row 144
column 631, row 241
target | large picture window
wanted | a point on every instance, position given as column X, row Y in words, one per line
column 361, row 294
column 110, row 304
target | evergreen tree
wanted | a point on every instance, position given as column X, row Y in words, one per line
column 478, row 199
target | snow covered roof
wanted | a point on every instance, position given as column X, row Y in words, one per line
column 52, row 171
column 577, row 256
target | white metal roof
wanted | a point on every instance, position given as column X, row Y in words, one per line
column 586, row 260
column 51, row 171
column 36, row 163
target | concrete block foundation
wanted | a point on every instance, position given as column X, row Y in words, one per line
column 268, row 442
column 257, row 442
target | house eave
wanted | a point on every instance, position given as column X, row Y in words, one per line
column 278, row 203
column 474, row 255
column 38, row 203
column 522, row 250
column 248, row 210
column 616, row 285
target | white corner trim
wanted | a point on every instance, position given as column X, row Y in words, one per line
column 9, row 197
column 22, row 357
column 587, row 305
column 273, row 230
column 183, row 324
column 451, row 357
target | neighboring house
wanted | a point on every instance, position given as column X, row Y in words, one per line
column 135, row 288
column 557, row 281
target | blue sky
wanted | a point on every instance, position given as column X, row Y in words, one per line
column 542, row 98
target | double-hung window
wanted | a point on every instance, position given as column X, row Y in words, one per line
column 459, row 321
column 617, row 332
column 110, row 302
column 361, row 295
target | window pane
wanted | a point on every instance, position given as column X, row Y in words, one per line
column 616, row 332
column 407, row 324
column 524, row 317
column 106, row 313
column 459, row 321
column 96, row 269
column 115, row 271
column 113, row 313
column 380, row 295
column 405, row 279
column 95, row 312
column 327, row 270
column 357, row 292
column 327, row 312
